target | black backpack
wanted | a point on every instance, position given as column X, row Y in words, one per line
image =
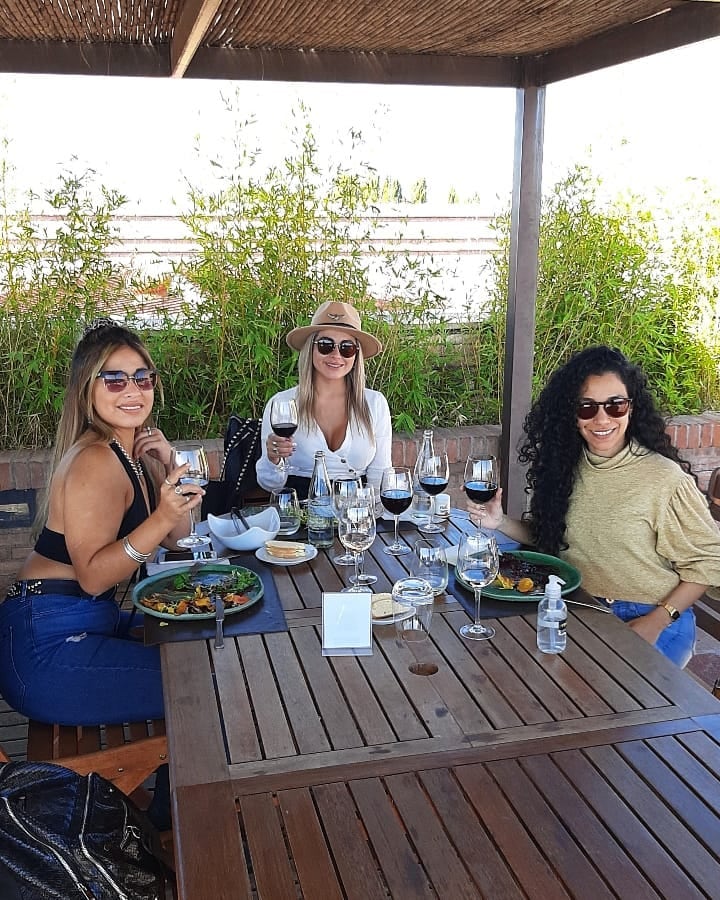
column 64, row 835
column 238, row 479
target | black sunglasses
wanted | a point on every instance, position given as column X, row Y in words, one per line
column 117, row 381
column 615, row 407
column 326, row 345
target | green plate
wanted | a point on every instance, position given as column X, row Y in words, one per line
column 568, row 573
column 203, row 574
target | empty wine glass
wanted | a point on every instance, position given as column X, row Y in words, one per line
column 478, row 563
column 193, row 453
column 396, row 496
column 356, row 530
column 286, row 503
column 433, row 474
column 481, row 478
column 430, row 563
column 365, row 494
column 343, row 490
column 412, row 615
column 284, row 423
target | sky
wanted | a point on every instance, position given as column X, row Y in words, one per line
column 644, row 125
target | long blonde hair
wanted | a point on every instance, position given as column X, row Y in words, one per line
column 358, row 411
column 79, row 423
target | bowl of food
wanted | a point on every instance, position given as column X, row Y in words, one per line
column 245, row 532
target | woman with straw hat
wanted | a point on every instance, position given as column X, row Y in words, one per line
column 337, row 413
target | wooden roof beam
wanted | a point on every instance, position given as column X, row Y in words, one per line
column 193, row 22
column 355, row 67
column 73, row 58
column 694, row 21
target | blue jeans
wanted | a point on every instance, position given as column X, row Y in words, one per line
column 677, row 642
column 69, row 660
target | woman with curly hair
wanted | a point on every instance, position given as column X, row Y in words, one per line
column 610, row 494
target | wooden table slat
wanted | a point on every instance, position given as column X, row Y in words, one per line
column 611, row 793
column 555, row 840
column 359, row 871
column 609, row 856
column 274, row 874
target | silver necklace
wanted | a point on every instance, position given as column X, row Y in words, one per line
column 134, row 464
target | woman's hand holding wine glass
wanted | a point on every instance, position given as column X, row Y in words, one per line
column 192, row 454
column 284, row 423
column 481, row 486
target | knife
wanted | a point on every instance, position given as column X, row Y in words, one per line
column 219, row 618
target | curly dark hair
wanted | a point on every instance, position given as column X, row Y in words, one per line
column 553, row 445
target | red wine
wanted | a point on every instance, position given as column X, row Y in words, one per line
column 433, row 484
column 396, row 501
column 285, row 429
column 480, row 491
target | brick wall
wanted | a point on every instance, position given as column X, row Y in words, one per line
column 696, row 437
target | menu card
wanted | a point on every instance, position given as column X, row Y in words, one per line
column 346, row 624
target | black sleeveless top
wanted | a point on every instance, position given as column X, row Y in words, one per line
column 51, row 544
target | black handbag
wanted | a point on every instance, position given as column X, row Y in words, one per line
column 238, row 479
column 64, row 835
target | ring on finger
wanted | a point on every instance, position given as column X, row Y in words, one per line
column 170, row 483
column 148, row 429
column 178, row 489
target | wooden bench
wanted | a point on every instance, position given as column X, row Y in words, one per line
column 124, row 754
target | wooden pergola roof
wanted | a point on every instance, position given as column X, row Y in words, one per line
column 508, row 43
column 523, row 44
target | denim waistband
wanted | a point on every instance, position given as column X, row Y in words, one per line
column 36, row 587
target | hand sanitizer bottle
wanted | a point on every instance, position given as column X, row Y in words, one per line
column 552, row 618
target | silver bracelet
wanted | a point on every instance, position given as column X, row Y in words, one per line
column 135, row 555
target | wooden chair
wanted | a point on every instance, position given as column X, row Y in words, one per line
column 713, row 494
column 124, row 754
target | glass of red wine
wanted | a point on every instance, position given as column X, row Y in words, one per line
column 433, row 476
column 284, row 423
column 481, row 478
column 396, row 496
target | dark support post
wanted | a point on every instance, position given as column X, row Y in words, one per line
column 522, row 290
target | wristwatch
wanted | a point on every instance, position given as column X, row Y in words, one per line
column 670, row 610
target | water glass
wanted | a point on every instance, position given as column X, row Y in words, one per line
column 430, row 563
column 412, row 624
column 288, row 507
column 421, row 508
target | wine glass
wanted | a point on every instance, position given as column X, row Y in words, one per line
column 478, row 563
column 481, row 478
column 356, row 530
column 284, row 423
column 430, row 563
column 396, row 497
column 412, row 614
column 286, row 503
column 433, row 476
column 343, row 490
column 192, row 452
column 365, row 494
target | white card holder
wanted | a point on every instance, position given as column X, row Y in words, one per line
column 346, row 624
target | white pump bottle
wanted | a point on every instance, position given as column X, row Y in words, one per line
column 552, row 618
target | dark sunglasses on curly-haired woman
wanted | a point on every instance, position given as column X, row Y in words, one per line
column 615, row 407
column 117, row 381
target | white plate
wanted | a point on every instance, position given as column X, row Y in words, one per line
column 264, row 556
column 390, row 620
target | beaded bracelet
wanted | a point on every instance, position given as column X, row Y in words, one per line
column 135, row 555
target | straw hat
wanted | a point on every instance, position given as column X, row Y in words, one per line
column 340, row 317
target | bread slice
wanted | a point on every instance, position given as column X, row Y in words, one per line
column 285, row 549
column 384, row 607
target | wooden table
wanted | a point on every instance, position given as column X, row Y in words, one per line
column 508, row 773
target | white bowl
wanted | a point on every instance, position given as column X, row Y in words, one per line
column 262, row 527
